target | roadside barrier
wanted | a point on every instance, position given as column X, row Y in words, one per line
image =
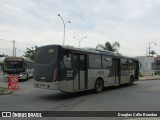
column 13, row 83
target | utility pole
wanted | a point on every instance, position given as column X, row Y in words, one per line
column 15, row 51
column 13, row 48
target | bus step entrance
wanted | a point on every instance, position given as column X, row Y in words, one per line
column 116, row 85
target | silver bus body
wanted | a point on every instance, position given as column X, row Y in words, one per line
column 72, row 69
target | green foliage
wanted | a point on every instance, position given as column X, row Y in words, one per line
column 29, row 54
column 140, row 75
column 109, row 47
column 157, row 73
column 5, row 91
column 153, row 52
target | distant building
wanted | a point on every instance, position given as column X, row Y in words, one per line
column 157, row 64
column 147, row 65
column 1, row 62
column 3, row 55
column 1, row 65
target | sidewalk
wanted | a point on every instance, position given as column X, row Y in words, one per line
column 155, row 77
column 3, row 83
column 4, row 87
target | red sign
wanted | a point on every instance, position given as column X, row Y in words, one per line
column 13, row 83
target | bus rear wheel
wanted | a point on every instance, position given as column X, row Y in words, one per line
column 131, row 81
column 99, row 85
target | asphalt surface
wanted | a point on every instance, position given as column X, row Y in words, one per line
column 142, row 96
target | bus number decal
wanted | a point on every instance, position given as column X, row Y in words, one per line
column 97, row 72
column 69, row 73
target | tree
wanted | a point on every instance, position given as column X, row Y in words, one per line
column 29, row 53
column 152, row 52
column 109, row 47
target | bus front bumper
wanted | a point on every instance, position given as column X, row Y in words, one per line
column 20, row 76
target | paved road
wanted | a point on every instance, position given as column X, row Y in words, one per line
column 142, row 96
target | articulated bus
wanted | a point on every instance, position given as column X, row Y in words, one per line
column 18, row 66
column 70, row 69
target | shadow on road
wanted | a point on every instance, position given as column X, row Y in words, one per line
column 62, row 96
column 118, row 87
column 24, row 80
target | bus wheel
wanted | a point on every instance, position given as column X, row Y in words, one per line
column 27, row 76
column 99, row 86
column 131, row 81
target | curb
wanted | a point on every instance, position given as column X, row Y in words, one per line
column 143, row 79
column 5, row 91
column 147, row 79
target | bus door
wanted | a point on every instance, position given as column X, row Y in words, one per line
column 136, row 69
column 79, row 68
column 116, row 71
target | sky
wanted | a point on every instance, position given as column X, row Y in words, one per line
column 133, row 23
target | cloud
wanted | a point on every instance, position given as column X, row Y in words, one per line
column 35, row 22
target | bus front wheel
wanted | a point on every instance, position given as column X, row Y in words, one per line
column 26, row 77
column 99, row 85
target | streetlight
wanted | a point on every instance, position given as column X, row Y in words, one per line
column 64, row 23
column 150, row 47
column 14, row 49
column 79, row 40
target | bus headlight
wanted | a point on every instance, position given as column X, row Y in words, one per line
column 20, row 75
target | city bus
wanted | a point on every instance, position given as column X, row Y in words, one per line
column 70, row 69
column 18, row 66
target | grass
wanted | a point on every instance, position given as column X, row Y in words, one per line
column 5, row 91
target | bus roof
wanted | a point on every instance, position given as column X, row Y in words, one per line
column 92, row 50
column 17, row 59
column 102, row 52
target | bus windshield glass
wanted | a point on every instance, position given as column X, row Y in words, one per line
column 13, row 65
column 45, row 55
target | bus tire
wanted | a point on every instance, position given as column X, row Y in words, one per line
column 99, row 85
column 131, row 80
column 26, row 77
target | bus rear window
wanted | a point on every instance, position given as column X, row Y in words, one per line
column 45, row 55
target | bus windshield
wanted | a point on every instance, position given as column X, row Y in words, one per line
column 13, row 66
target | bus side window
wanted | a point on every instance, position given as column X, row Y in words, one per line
column 94, row 61
column 130, row 64
column 106, row 62
column 67, row 59
column 75, row 61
